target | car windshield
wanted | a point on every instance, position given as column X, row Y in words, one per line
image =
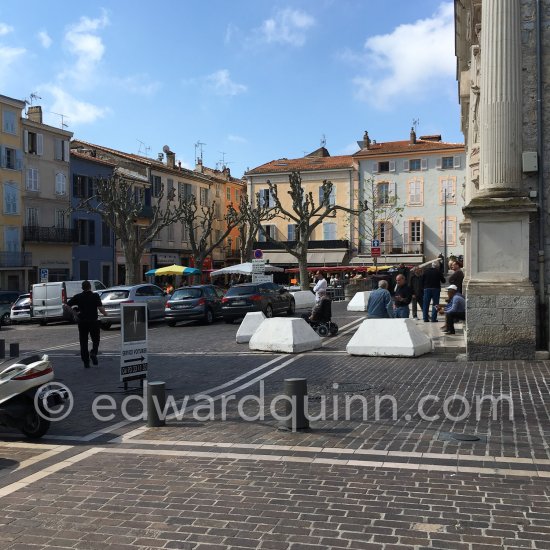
column 112, row 295
column 186, row 293
column 242, row 290
column 22, row 300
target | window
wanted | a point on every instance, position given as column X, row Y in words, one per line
column 60, row 184
column 186, row 190
column 8, row 121
column 184, row 233
column 329, row 231
column 33, row 143
column 415, row 194
column 447, row 186
column 11, row 198
column 59, row 219
column 217, row 214
column 415, row 231
column 105, row 234
column 332, row 196
column 86, row 232
column 157, row 186
column 170, row 189
column 384, row 166
column 218, row 189
column 451, row 230
column 31, row 217
column 61, row 150
column 31, row 183
column 414, row 164
column 447, row 162
column 171, row 232
column 12, row 242
column 384, row 232
column 12, row 158
column 383, row 193
column 291, row 232
column 83, row 269
column 79, row 186
column 237, row 196
column 203, row 196
column 266, row 198
column 228, row 193
column 268, row 230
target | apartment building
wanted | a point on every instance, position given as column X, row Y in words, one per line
column 334, row 240
column 15, row 263
column 422, row 177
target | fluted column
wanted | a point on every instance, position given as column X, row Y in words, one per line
column 500, row 106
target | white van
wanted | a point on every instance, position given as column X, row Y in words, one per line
column 47, row 299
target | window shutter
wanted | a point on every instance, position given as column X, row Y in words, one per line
column 392, row 192
column 392, row 165
column 375, row 167
column 389, row 232
column 28, row 179
column 406, row 233
column 39, row 144
column 439, row 163
column 26, row 141
column 406, row 165
column 19, row 159
column 421, row 191
column 66, row 151
column 423, row 164
column 456, row 162
column 91, row 232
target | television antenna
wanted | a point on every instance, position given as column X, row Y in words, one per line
column 143, row 149
column 323, row 140
column 415, row 123
column 198, row 145
column 63, row 118
column 32, row 97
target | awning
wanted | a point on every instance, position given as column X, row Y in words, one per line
column 314, row 258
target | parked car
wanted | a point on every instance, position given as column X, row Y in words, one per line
column 74, row 287
column 202, row 302
column 7, row 299
column 267, row 297
column 21, row 309
column 112, row 298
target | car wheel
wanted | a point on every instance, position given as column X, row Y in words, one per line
column 171, row 323
column 106, row 326
column 322, row 330
column 208, row 316
column 269, row 312
column 291, row 308
column 6, row 319
column 43, row 322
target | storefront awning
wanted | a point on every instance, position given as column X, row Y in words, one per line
column 331, row 257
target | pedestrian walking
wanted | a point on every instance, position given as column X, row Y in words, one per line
column 402, row 297
column 431, row 280
column 88, row 304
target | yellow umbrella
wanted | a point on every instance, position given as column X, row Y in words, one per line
column 176, row 270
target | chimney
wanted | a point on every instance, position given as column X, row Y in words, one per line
column 171, row 160
column 34, row 113
column 413, row 137
column 199, row 167
column 366, row 140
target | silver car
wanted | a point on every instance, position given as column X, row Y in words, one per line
column 113, row 297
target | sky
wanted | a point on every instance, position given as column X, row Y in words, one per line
column 252, row 80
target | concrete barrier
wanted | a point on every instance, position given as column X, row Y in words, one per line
column 248, row 326
column 286, row 335
column 304, row 299
column 389, row 338
column 359, row 302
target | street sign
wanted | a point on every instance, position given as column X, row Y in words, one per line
column 258, row 254
column 256, row 278
column 258, row 272
column 44, row 275
column 376, row 243
column 133, row 353
column 375, row 251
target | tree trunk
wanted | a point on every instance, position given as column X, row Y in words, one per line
column 199, row 263
column 304, row 274
column 133, row 269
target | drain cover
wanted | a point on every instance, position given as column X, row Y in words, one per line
column 451, row 436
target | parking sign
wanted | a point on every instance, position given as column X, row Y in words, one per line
column 44, row 273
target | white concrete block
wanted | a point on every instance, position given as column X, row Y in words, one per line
column 389, row 338
column 286, row 335
column 249, row 325
column 304, row 299
column 359, row 302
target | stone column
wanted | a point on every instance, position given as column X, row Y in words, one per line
column 500, row 298
column 500, row 108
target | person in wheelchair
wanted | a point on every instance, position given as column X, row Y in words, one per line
column 320, row 317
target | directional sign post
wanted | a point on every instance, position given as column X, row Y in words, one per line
column 133, row 353
column 375, row 249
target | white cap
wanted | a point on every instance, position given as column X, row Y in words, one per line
column 452, row 287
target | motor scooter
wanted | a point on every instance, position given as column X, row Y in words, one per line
column 20, row 407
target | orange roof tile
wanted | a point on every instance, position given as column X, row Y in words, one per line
column 304, row 164
column 405, row 147
column 86, row 156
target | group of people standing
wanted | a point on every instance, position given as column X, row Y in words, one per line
column 421, row 290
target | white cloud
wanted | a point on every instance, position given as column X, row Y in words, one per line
column 76, row 111
column 45, row 39
column 8, row 56
column 88, row 48
column 221, row 84
column 408, row 61
column 5, row 29
column 236, row 139
column 138, row 84
column 230, row 31
column 287, row 26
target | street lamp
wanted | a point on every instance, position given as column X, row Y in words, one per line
column 446, row 196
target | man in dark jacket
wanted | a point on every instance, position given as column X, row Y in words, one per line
column 415, row 282
column 457, row 277
column 431, row 281
column 88, row 304
column 402, row 297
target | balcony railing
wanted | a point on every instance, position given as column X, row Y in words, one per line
column 387, row 249
column 15, row 259
column 49, row 234
column 337, row 243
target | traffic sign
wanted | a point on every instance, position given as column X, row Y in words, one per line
column 258, row 254
column 375, row 243
column 44, row 273
column 375, row 251
column 133, row 353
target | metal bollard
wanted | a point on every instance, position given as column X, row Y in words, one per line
column 2, row 348
column 296, row 389
column 155, row 390
column 14, row 349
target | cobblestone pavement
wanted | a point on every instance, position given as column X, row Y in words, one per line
column 389, row 481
